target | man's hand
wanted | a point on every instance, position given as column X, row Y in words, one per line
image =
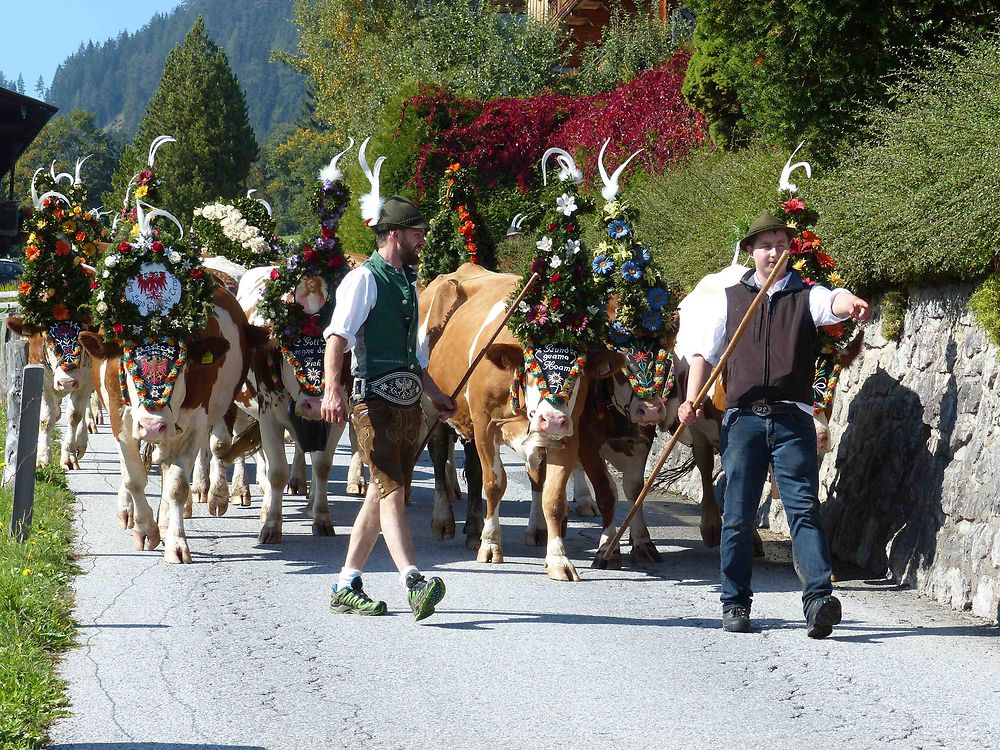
column 688, row 414
column 851, row 306
column 334, row 406
column 444, row 405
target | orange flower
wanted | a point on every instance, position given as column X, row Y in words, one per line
column 62, row 247
column 58, row 212
column 454, row 167
column 825, row 261
column 810, row 238
column 31, row 252
column 60, row 312
column 24, row 289
column 80, row 236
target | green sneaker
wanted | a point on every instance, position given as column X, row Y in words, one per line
column 354, row 601
column 424, row 594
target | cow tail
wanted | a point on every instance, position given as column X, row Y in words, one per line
column 245, row 444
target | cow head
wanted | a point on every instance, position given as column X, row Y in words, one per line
column 59, row 347
column 551, row 378
column 641, row 387
column 154, row 374
column 302, row 374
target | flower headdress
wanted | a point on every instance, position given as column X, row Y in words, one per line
column 241, row 231
column 146, row 189
column 456, row 235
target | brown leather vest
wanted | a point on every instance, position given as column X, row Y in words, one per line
column 775, row 359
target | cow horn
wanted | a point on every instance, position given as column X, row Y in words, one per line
column 569, row 169
column 155, row 145
column 331, row 173
column 611, row 183
column 57, row 178
column 79, row 163
column 515, row 225
column 145, row 219
column 52, row 194
column 371, row 203
column 34, row 188
column 261, row 201
column 786, row 173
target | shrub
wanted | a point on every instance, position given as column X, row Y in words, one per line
column 985, row 303
column 893, row 315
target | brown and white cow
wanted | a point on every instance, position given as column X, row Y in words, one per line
column 67, row 376
column 459, row 313
column 205, row 387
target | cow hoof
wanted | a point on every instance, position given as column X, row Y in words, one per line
column 126, row 518
column 607, row 561
column 473, row 541
column 69, row 463
column 176, row 551
column 244, row 498
column 298, row 487
column 587, row 507
column 218, row 507
column 269, row 535
column 188, row 509
column 559, row 568
column 199, row 495
column 711, row 532
column 323, row 527
column 357, row 489
column 490, row 553
column 92, row 428
column 536, row 537
column 444, row 528
column 645, row 552
column 146, row 540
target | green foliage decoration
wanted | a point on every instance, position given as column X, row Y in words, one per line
column 241, row 231
column 455, row 236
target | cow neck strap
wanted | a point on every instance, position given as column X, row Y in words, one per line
column 650, row 376
column 534, row 368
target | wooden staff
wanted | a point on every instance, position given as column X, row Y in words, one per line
column 482, row 353
column 602, row 560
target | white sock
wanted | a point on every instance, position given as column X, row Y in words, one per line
column 347, row 575
column 404, row 573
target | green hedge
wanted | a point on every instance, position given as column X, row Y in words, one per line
column 985, row 303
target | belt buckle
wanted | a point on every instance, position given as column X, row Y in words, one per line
column 761, row 408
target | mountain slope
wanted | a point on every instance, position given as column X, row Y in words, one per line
column 115, row 80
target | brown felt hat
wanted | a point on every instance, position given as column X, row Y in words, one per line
column 767, row 222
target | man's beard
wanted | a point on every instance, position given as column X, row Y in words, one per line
column 410, row 254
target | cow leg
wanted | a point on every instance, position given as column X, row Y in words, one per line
column 473, row 527
column 607, row 498
column 133, row 509
column 201, row 475
column 536, row 534
column 356, row 483
column 272, row 435
column 75, row 440
column 320, row 503
column 443, row 516
column 297, row 482
column 582, row 496
column 220, row 442
column 95, row 412
column 710, row 524
column 50, row 413
column 494, row 485
column 176, row 494
column 559, row 468
column 633, row 479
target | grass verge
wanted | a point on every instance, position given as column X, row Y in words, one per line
column 35, row 612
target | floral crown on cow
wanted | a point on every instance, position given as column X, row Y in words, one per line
column 240, row 230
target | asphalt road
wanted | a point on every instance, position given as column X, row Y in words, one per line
column 239, row 649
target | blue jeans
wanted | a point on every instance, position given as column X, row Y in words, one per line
column 749, row 444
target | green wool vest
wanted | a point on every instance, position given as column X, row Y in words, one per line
column 388, row 339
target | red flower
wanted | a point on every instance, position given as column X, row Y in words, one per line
column 550, row 227
column 24, row 288
column 123, row 247
column 312, row 326
column 556, row 276
column 308, row 254
column 118, row 328
column 570, row 228
column 825, row 261
column 195, row 273
column 795, row 247
column 93, row 284
column 538, row 265
column 60, row 312
column 80, row 236
column 157, row 246
column 554, row 303
column 328, row 233
column 836, row 330
column 274, row 274
column 793, row 206
column 62, row 247
column 31, row 252
column 336, row 261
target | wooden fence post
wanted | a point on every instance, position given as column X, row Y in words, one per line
column 15, row 360
column 27, row 448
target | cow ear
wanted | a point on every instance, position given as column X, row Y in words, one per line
column 256, row 335
column 207, row 350
column 603, row 363
column 505, row 356
column 93, row 344
column 16, row 325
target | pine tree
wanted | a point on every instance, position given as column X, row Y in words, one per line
column 198, row 102
column 40, row 91
column 20, row 83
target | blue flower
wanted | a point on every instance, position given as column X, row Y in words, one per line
column 631, row 271
column 293, row 262
column 652, row 320
column 657, row 298
column 643, row 256
column 618, row 334
column 603, row 265
column 618, row 229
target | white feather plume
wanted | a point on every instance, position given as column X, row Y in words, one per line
column 261, row 201
column 611, row 185
column 785, row 182
column 34, row 187
column 372, row 202
column 79, row 163
column 52, row 194
column 57, row 178
column 331, row 172
column 515, row 224
column 155, row 145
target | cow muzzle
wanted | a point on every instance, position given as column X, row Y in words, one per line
column 648, row 412
column 550, row 424
column 308, row 407
column 151, row 429
column 67, row 384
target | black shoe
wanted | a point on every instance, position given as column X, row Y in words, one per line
column 424, row 594
column 736, row 620
column 822, row 614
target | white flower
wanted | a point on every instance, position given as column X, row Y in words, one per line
column 566, row 204
column 544, row 244
column 174, row 257
column 111, row 261
column 106, row 274
column 555, row 316
column 593, row 309
column 572, row 246
column 523, row 306
column 100, row 294
column 555, row 261
column 102, row 307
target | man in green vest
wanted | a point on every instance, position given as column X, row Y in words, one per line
column 376, row 317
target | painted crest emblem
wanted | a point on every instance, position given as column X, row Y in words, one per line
column 153, row 290
column 155, row 368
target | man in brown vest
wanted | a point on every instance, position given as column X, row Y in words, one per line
column 768, row 420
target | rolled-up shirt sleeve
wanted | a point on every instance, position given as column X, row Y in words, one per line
column 821, row 305
column 423, row 347
column 356, row 296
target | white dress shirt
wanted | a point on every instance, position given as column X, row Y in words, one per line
column 356, row 296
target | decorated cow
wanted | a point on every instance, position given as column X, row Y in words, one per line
column 54, row 296
column 173, row 352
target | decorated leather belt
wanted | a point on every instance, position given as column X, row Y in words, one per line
column 767, row 408
column 400, row 388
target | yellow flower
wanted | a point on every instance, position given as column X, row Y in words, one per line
column 69, row 227
column 90, row 248
column 799, row 265
column 31, row 238
column 135, row 230
column 26, row 572
column 140, row 192
column 40, row 223
column 836, row 279
column 77, row 210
